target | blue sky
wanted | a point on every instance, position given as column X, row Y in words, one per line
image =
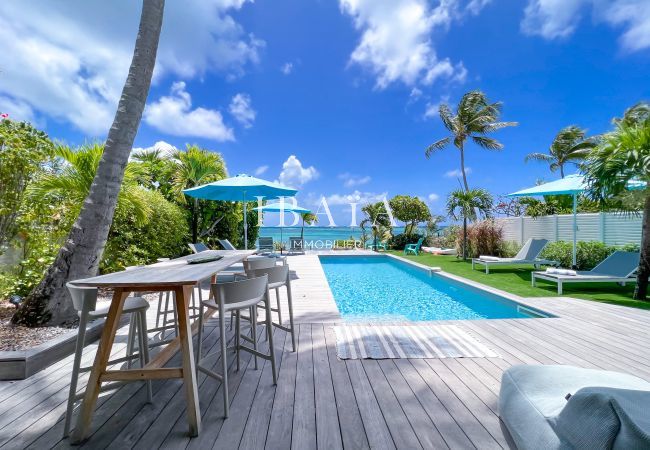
column 332, row 96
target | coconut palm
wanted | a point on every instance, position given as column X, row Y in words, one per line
column 569, row 146
column 469, row 206
column 196, row 166
column 49, row 302
column 622, row 157
column 72, row 182
column 475, row 117
column 378, row 219
column 307, row 218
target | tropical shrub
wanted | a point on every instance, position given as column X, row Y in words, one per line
column 399, row 241
column 483, row 238
column 163, row 235
column 509, row 248
column 23, row 150
column 588, row 254
column 447, row 239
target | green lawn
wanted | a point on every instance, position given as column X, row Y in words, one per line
column 516, row 280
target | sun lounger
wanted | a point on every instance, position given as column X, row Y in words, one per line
column 225, row 243
column 296, row 245
column 370, row 245
column 616, row 268
column 529, row 254
column 265, row 244
column 198, row 247
column 440, row 251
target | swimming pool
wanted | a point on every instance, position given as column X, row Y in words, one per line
column 369, row 288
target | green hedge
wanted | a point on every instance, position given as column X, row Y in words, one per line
column 588, row 254
column 165, row 235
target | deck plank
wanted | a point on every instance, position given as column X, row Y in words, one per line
column 324, row 402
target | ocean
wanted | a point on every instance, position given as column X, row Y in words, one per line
column 318, row 236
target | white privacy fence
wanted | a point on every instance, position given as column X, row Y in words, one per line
column 610, row 228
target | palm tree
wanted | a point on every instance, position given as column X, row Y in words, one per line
column 73, row 181
column 569, row 146
column 196, row 166
column 49, row 302
column 307, row 218
column 468, row 206
column 379, row 220
column 622, row 157
column 157, row 170
column 475, row 117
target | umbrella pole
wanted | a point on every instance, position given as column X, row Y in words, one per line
column 575, row 228
column 245, row 225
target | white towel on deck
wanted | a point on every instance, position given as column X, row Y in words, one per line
column 555, row 271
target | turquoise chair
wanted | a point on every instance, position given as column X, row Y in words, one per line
column 413, row 248
column 380, row 245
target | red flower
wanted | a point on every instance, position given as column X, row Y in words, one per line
column 4, row 115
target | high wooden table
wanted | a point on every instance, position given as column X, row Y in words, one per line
column 179, row 277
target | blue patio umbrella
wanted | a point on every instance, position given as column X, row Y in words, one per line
column 282, row 207
column 569, row 185
column 240, row 188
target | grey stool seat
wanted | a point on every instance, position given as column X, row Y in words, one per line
column 237, row 296
column 131, row 305
column 279, row 276
column 84, row 300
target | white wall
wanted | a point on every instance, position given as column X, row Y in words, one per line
column 610, row 228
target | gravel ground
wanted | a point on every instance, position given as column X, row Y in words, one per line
column 14, row 337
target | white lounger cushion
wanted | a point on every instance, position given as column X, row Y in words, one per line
column 568, row 272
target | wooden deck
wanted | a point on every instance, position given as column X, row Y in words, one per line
column 323, row 402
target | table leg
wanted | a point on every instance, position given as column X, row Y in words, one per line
column 183, row 295
column 84, row 419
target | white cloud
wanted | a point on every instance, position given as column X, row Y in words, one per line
column 556, row 19
column 174, row 115
column 68, row 60
column 634, row 15
column 433, row 197
column 361, row 198
column 415, row 94
column 350, row 180
column 242, row 110
column 294, row 174
column 287, row 68
column 166, row 149
column 552, row 19
column 17, row 110
column 432, row 109
column 396, row 41
column 261, row 170
column 457, row 173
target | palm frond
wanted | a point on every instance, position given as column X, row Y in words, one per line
column 539, row 157
column 447, row 117
column 494, row 126
column 438, row 145
column 487, row 143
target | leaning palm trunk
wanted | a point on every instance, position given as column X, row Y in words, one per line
column 49, row 303
column 641, row 291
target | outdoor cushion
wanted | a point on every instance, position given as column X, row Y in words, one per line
column 532, row 397
column 597, row 417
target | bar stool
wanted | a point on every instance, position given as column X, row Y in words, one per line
column 84, row 300
column 237, row 296
column 279, row 276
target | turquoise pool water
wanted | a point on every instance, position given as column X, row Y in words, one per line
column 382, row 288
